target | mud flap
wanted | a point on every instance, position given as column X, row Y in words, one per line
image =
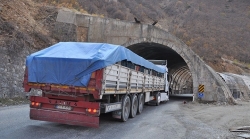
column 117, row 114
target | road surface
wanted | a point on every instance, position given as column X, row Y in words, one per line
column 166, row 121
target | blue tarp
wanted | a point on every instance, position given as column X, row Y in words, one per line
column 71, row 63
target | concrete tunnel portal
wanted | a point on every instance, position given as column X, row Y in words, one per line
column 186, row 70
column 179, row 75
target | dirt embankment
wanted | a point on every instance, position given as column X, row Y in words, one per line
column 220, row 116
column 25, row 23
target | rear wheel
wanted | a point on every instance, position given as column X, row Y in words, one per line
column 134, row 106
column 158, row 99
column 125, row 108
column 140, row 103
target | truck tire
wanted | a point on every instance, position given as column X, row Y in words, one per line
column 140, row 103
column 158, row 99
column 125, row 108
column 134, row 106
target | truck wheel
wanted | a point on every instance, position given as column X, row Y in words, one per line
column 158, row 99
column 141, row 103
column 125, row 108
column 134, row 106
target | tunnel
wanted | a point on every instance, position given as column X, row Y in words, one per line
column 187, row 71
column 239, row 85
column 179, row 75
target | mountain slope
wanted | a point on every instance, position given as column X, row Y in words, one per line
column 215, row 30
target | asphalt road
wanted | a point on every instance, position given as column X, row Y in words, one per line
column 156, row 122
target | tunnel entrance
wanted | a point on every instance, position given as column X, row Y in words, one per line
column 179, row 75
column 151, row 42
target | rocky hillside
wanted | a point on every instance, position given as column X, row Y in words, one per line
column 218, row 31
column 25, row 27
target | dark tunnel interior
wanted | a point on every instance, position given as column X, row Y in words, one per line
column 179, row 75
column 157, row 52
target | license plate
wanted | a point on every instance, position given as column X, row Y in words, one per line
column 113, row 107
column 64, row 107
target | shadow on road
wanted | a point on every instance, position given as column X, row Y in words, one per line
column 187, row 99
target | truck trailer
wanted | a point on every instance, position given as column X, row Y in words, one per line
column 79, row 81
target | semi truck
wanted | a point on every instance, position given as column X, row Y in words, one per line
column 79, row 81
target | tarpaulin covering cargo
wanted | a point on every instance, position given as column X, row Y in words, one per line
column 71, row 63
